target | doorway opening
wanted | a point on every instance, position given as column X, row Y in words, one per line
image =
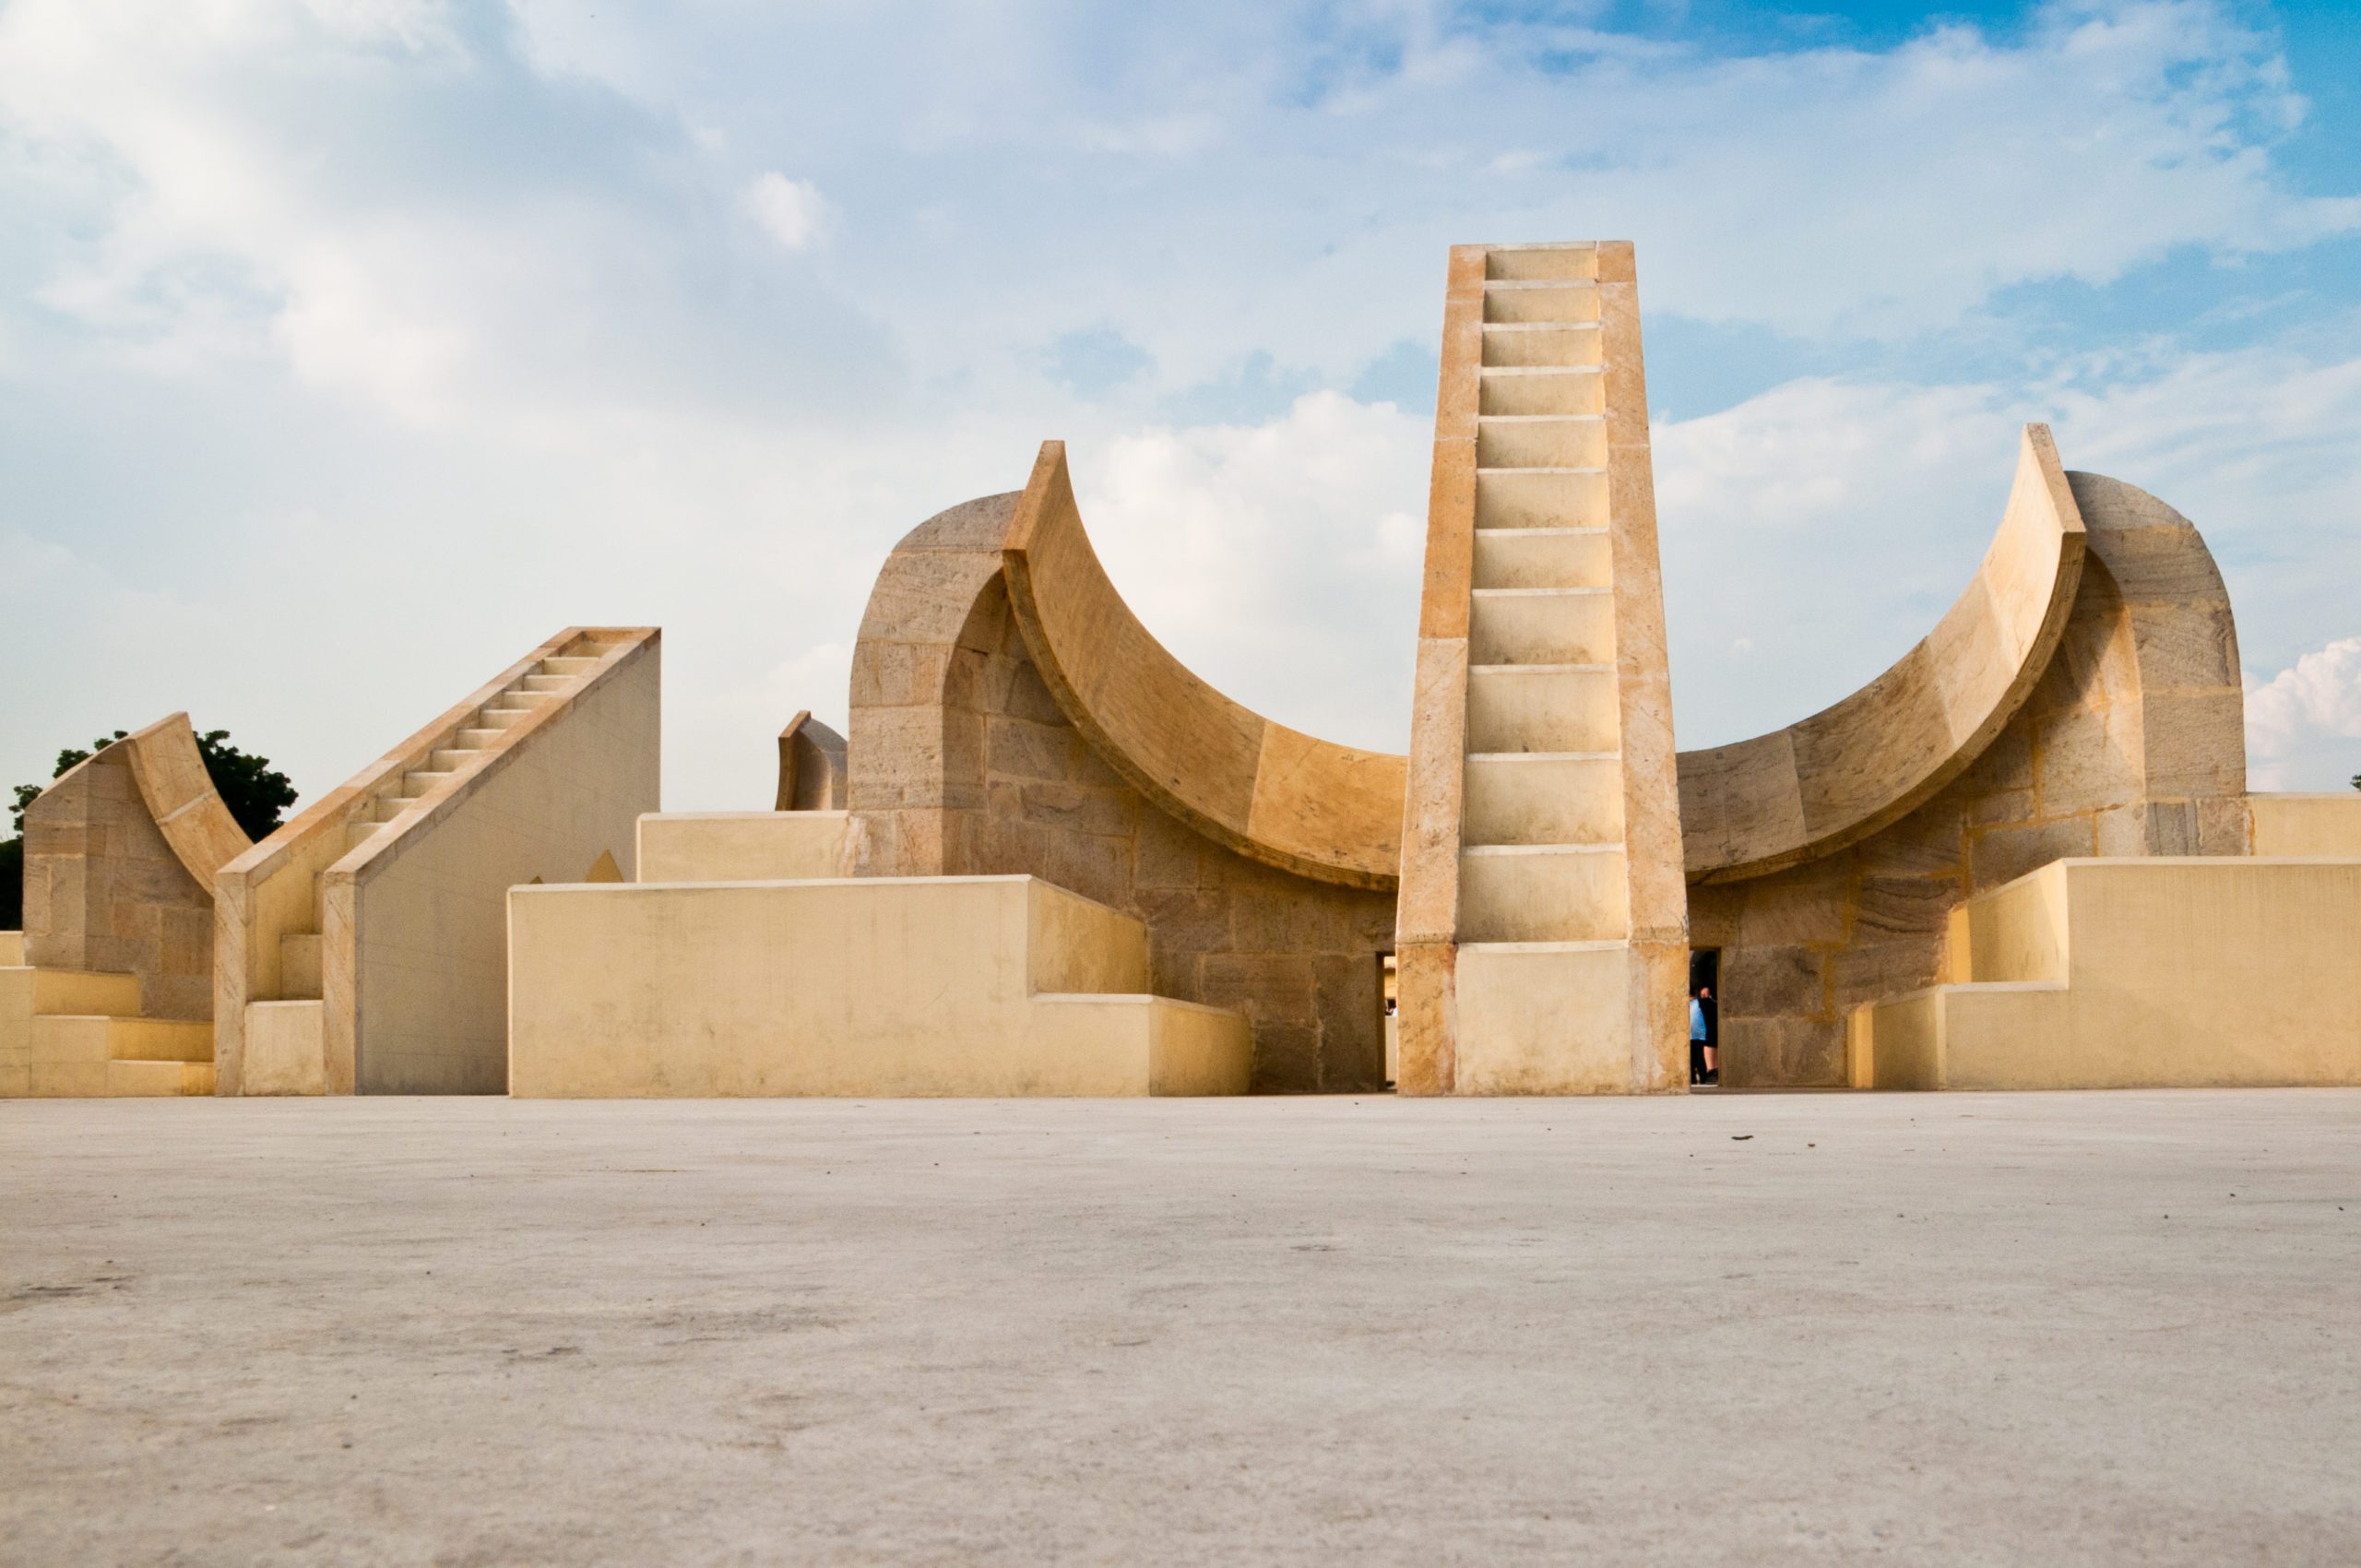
column 1704, row 1017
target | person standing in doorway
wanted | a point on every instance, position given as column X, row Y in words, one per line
column 1697, row 1036
column 1711, row 1013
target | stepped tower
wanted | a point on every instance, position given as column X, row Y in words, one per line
column 1542, row 933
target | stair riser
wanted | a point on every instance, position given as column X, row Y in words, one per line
column 1541, row 444
column 1542, row 392
column 1573, row 301
column 1556, row 627
column 1530, row 558
column 82, row 1041
column 84, row 991
column 1552, row 711
column 1543, row 897
column 1555, row 263
column 1543, row 800
column 1540, row 500
column 1563, row 347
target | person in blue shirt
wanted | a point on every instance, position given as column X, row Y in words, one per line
column 1696, row 1039
column 1702, row 1069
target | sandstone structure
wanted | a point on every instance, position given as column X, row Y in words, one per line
column 1048, row 858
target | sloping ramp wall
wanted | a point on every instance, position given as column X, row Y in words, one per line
column 363, row 948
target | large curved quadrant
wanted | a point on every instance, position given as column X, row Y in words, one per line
column 1274, row 794
column 1833, row 779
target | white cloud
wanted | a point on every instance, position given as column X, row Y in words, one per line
column 789, row 211
column 2303, row 724
column 495, row 300
column 1279, row 561
column 1829, row 524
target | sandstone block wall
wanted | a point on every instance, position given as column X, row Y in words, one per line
column 2132, row 743
column 103, row 890
column 963, row 763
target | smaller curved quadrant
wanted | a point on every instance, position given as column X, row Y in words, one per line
column 1762, row 804
column 179, row 793
column 1274, row 794
column 811, row 766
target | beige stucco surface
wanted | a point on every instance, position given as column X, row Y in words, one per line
column 880, row 986
column 2307, row 825
column 2167, row 972
column 781, row 846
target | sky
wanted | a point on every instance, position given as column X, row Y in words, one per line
column 349, row 348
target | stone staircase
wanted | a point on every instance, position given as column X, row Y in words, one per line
column 1519, row 875
column 283, row 1043
column 78, row 1032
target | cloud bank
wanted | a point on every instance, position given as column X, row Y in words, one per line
column 421, row 329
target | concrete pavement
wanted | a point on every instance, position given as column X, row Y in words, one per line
column 1754, row 1330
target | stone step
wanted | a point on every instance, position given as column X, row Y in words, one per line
column 1541, row 625
column 1543, row 797
column 12, row 949
column 1542, row 708
column 286, row 1048
column 1540, row 498
column 300, row 963
column 84, row 991
column 1541, row 390
column 93, row 1056
column 1534, row 262
column 128, row 1079
column 1552, row 441
column 1511, row 558
column 1539, row 300
column 1553, row 345
column 1543, row 892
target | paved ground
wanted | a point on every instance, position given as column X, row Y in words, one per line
column 1989, row 1329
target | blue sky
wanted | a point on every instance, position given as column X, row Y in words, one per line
column 348, row 348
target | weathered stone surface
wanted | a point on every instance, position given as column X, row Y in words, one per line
column 1913, row 907
column 2003, row 854
column 1774, row 982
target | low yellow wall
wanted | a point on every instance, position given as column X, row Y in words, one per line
column 2177, row 972
column 741, row 846
column 1004, row 985
column 2307, row 824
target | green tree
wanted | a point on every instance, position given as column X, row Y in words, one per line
column 256, row 794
